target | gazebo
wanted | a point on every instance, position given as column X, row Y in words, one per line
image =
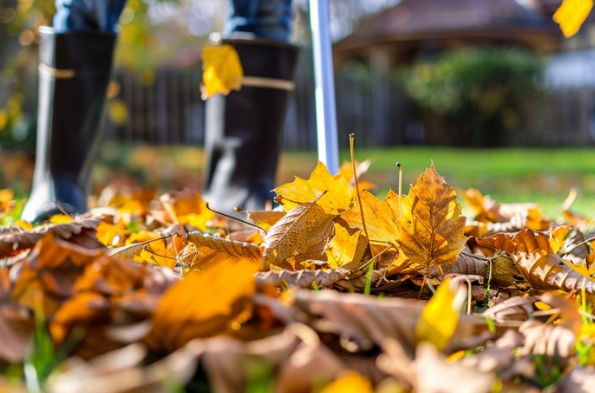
column 412, row 27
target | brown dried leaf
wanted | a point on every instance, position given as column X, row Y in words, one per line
column 556, row 338
column 431, row 228
column 81, row 232
column 302, row 234
column 503, row 271
column 231, row 248
column 551, row 272
column 303, row 278
column 515, row 309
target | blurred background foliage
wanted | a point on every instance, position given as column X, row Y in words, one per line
column 475, row 96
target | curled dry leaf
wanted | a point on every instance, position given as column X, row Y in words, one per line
column 514, row 309
column 431, row 229
column 300, row 235
column 499, row 271
column 231, row 248
column 204, row 305
column 553, row 338
column 81, row 232
column 551, row 272
column 303, row 278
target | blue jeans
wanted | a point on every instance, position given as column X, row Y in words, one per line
column 264, row 18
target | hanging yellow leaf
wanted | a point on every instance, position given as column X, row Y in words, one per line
column 222, row 70
column 346, row 249
column 571, row 15
column 431, row 230
column 204, row 304
column 350, row 382
column 336, row 200
column 439, row 318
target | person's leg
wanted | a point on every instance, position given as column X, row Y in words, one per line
column 74, row 71
column 244, row 130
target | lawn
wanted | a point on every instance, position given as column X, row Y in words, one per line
column 544, row 176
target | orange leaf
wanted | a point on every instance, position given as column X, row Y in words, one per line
column 431, row 228
column 204, row 304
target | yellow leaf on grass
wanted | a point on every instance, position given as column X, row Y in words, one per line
column 204, row 304
column 336, row 200
column 431, row 230
column 346, row 249
column 571, row 15
column 350, row 382
column 439, row 318
column 222, row 70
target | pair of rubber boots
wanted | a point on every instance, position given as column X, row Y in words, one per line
column 243, row 131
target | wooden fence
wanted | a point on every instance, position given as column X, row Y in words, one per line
column 171, row 111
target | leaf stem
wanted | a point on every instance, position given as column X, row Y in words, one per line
column 359, row 198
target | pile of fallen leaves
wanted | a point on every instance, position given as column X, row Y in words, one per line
column 333, row 291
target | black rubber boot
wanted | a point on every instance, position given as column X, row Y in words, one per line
column 74, row 72
column 244, row 130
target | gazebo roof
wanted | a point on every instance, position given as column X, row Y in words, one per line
column 422, row 20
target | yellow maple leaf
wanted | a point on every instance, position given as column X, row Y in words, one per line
column 439, row 318
column 349, row 382
column 346, row 249
column 431, row 230
column 571, row 15
column 380, row 219
column 204, row 304
column 336, row 200
column 222, row 70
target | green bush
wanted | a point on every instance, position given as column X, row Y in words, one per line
column 475, row 96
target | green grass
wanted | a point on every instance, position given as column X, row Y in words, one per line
column 543, row 176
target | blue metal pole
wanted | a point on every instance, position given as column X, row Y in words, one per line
column 326, row 114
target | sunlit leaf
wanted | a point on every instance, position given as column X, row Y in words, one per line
column 439, row 318
column 222, row 70
column 336, row 200
column 431, row 228
column 571, row 15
